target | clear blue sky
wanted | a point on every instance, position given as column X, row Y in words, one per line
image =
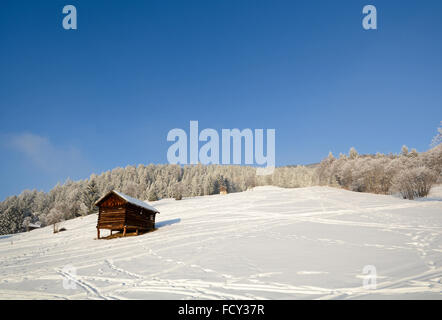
column 78, row 102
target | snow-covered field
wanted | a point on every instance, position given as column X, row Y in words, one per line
column 267, row 243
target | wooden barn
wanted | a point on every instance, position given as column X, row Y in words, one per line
column 222, row 190
column 119, row 212
column 33, row 226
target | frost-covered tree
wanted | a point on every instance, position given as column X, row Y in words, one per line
column 54, row 217
column 177, row 191
column 353, row 154
column 384, row 173
column 11, row 221
column 26, row 222
column 152, row 195
column 404, row 150
column 413, row 183
column 91, row 195
column 414, row 153
column 438, row 138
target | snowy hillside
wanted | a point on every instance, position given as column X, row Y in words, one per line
column 268, row 243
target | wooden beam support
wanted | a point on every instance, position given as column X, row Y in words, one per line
column 98, row 233
column 124, row 231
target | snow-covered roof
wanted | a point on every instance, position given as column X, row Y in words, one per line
column 130, row 200
column 34, row 225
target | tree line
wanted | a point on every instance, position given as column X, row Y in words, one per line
column 410, row 174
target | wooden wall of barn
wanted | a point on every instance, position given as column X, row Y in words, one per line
column 112, row 213
column 139, row 218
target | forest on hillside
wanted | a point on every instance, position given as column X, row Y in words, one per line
column 409, row 174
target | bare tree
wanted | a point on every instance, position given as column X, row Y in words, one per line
column 54, row 217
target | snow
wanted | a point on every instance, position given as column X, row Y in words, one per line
column 131, row 200
column 266, row 243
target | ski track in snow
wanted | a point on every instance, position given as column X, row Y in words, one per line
column 267, row 243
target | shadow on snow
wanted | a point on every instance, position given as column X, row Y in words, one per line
column 167, row 223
